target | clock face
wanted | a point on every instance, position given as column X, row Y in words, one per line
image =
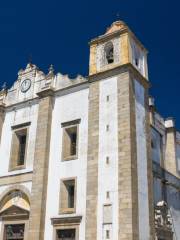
column 25, row 85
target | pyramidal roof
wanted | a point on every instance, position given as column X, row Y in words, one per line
column 116, row 26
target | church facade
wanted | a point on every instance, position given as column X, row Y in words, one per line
column 89, row 158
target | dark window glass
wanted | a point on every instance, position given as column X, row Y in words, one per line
column 14, row 232
column 71, row 196
column 66, row 234
column 22, row 150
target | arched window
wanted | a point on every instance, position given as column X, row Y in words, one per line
column 109, row 52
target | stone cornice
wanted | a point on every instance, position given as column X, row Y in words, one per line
column 166, row 176
column 26, row 124
column 107, row 37
column 118, row 70
column 16, row 178
column 66, row 219
column 49, row 91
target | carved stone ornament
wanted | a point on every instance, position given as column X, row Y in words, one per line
column 163, row 221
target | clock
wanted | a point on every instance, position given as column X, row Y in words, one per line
column 25, row 85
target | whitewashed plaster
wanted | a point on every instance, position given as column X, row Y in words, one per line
column 26, row 113
column 144, row 230
column 67, row 108
column 108, row 147
column 157, row 146
column 138, row 53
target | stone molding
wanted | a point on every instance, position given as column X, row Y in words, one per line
column 46, row 92
column 22, row 125
column 16, row 178
column 15, row 187
column 118, row 70
column 69, row 219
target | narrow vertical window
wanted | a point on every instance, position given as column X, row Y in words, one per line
column 22, row 149
column 107, row 234
column 18, row 148
column 70, row 140
column 67, row 196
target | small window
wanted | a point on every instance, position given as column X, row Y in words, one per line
column 107, row 234
column 137, row 62
column 70, row 141
column 18, row 149
column 66, row 234
column 67, row 196
column 22, row 149
column 14, row 231
column 109, row 52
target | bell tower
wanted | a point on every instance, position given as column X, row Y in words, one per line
column 117, row 47
column 119, row 168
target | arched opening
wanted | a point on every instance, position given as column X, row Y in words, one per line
column 109, row 52
column 14, row 215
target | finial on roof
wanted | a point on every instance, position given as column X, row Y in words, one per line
column 4, row 86
column 118, row 16
column 116, row 26
column 51, row 69
column 30, row 58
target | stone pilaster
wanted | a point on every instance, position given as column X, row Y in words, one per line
column 92, row 162
column 149, row 120
column 170, row 152
column 2, row 115
column 127, row 179
column 40, row 172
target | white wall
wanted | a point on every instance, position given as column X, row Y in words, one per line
column 108, row 146
column 142, row 163
column 157, row 146
column 23, row 114
column 67, row 108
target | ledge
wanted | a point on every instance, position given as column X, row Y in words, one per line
column 66, row 219
column 21, row 125
column 166, row 176
column 118, row 70
column 46, row 92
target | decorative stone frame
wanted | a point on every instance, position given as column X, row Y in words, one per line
column 13, row 222
column 15, row 187
column 65, row 126
column 15, row 219
column 67, row 222
column 63, row 210
column 13, row 157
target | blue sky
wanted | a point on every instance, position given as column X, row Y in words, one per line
column 58, row 32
